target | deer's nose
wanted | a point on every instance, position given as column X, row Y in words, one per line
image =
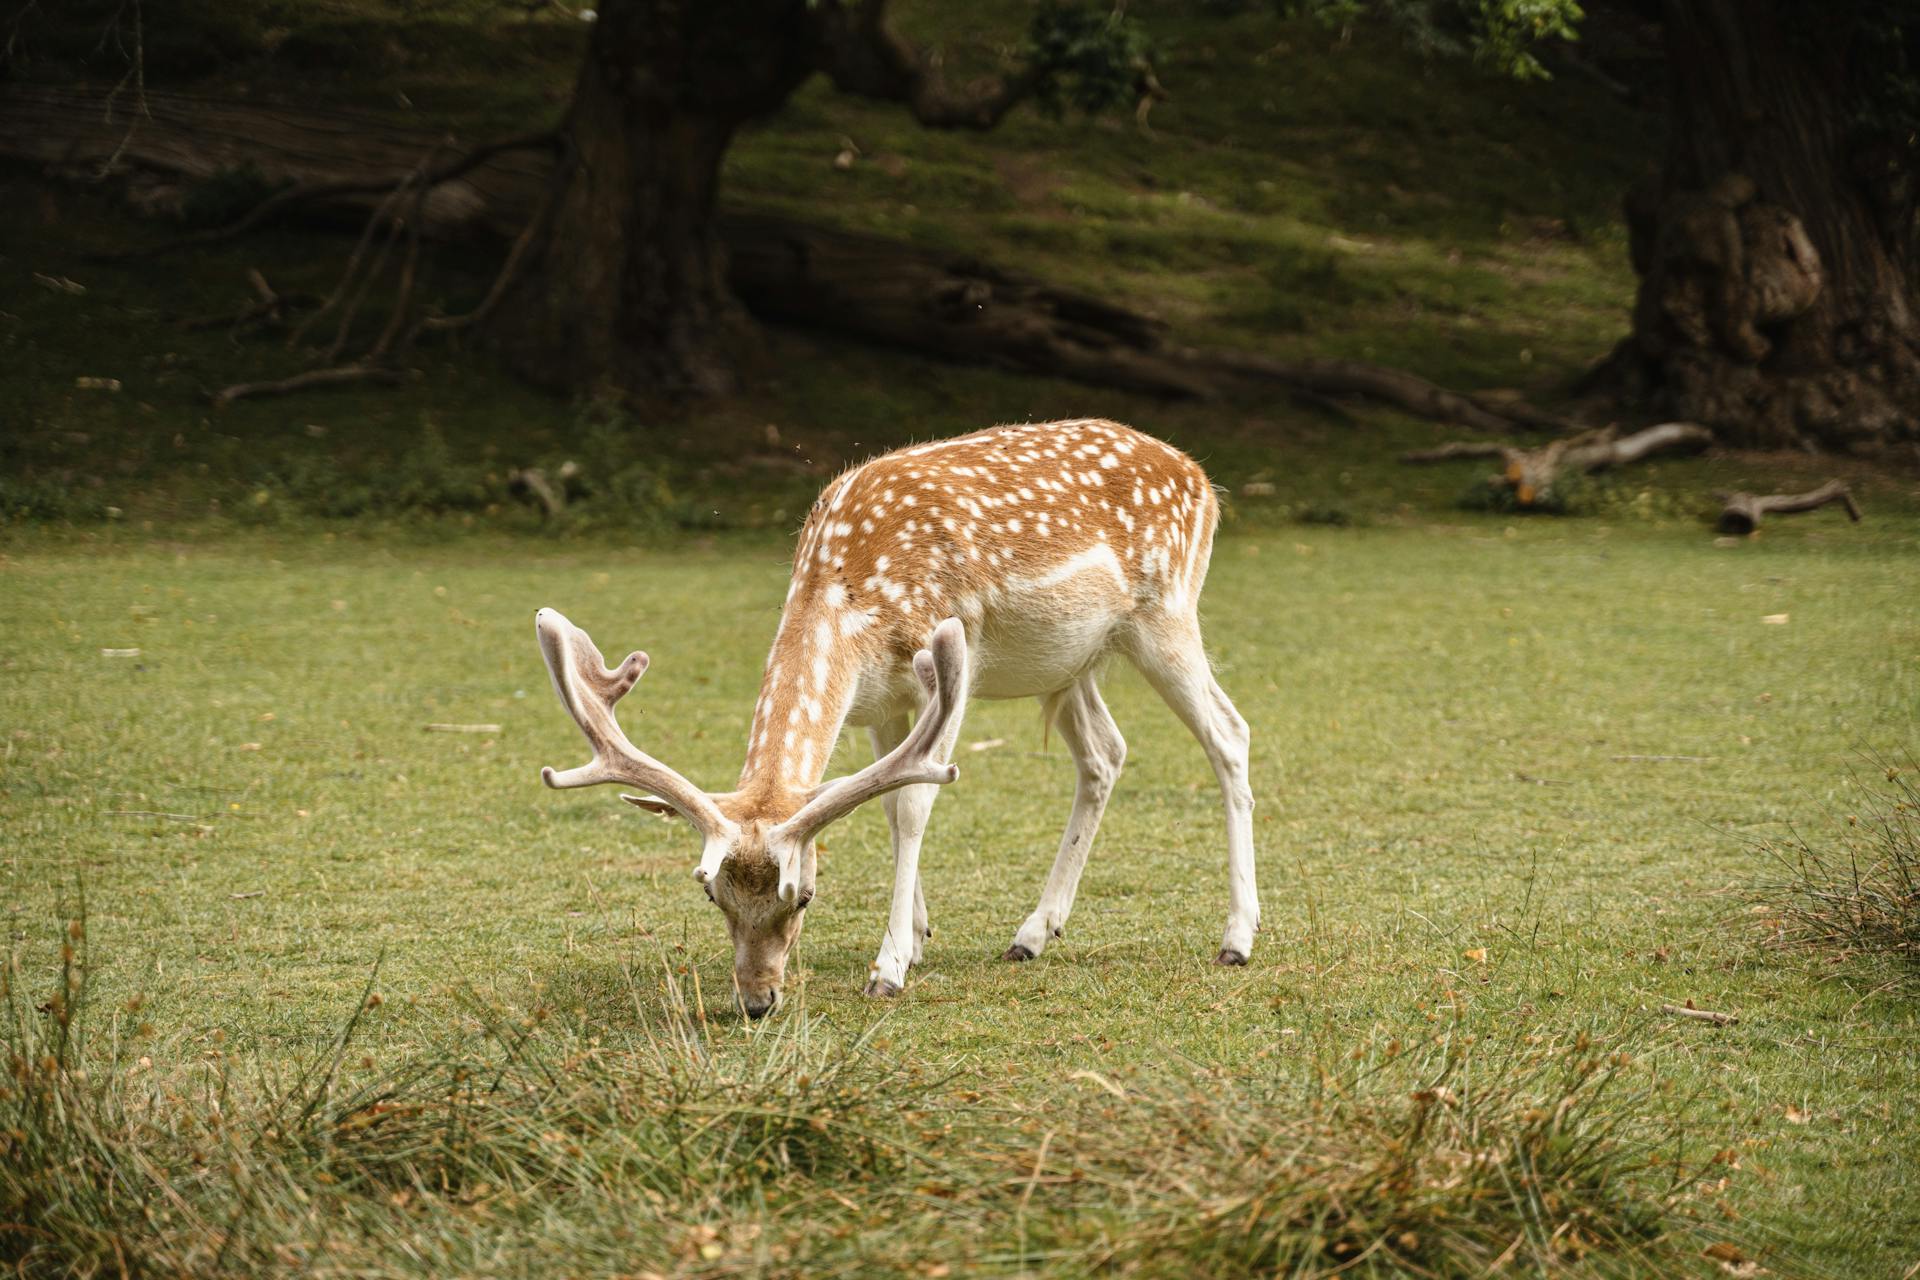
column 758, row 1004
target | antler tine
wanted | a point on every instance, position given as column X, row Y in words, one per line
column 588, row 689
column 942, row 669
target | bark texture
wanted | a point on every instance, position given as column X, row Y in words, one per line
column 1776, row 245
column 622, row 290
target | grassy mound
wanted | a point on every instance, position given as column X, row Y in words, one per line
column 680, row 1147
column 1856, row 895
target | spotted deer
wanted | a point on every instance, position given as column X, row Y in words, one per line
column 1013, row 562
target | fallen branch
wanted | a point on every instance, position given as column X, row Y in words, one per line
column 462, row 728
column 335, row 376
column 1700, row 1015
column 1530, row 474
column 1744, row 510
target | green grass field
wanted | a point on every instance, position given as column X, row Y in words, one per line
column 1514, row 776
column 1458, row 838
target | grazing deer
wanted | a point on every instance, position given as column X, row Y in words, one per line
column 1007, row 563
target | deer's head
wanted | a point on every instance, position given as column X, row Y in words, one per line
column 756, row 863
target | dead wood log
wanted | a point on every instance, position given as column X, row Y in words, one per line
column 949, row 305
column 1530, row 474
column 898, row 295
column 1743, row 511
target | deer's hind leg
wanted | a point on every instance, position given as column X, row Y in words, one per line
column 1098, row 752
column 1169, row 653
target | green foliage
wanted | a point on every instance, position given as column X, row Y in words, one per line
column 47, row 499
column 617, row 483
column 1498, row 35
column 1085, row 58
column 1884, row 75
column 1493, row 495
column 422, row 476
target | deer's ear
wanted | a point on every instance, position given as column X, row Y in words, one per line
column 659, row 808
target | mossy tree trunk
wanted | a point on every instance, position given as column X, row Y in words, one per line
column 1776, row 245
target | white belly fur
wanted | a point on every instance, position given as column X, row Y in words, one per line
column 1025, row 639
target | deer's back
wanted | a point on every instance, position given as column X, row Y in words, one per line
column 1043, row 538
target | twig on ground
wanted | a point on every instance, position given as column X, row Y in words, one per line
column 462, row 728
column 1700, row 1015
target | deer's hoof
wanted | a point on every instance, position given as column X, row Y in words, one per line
column 1016, row 953
column 1228, row 956
column 881, row 989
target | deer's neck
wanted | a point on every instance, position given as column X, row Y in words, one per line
column 805, row 695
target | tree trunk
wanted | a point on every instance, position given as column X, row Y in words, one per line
column 1775, row 247
column 623, row 289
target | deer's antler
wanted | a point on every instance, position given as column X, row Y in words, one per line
column 942, row 670
column 588, row 688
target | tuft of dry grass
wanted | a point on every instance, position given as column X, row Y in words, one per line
column 785, row 1149
column 1856, row 894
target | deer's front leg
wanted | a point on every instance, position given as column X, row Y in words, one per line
column 907, row 812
